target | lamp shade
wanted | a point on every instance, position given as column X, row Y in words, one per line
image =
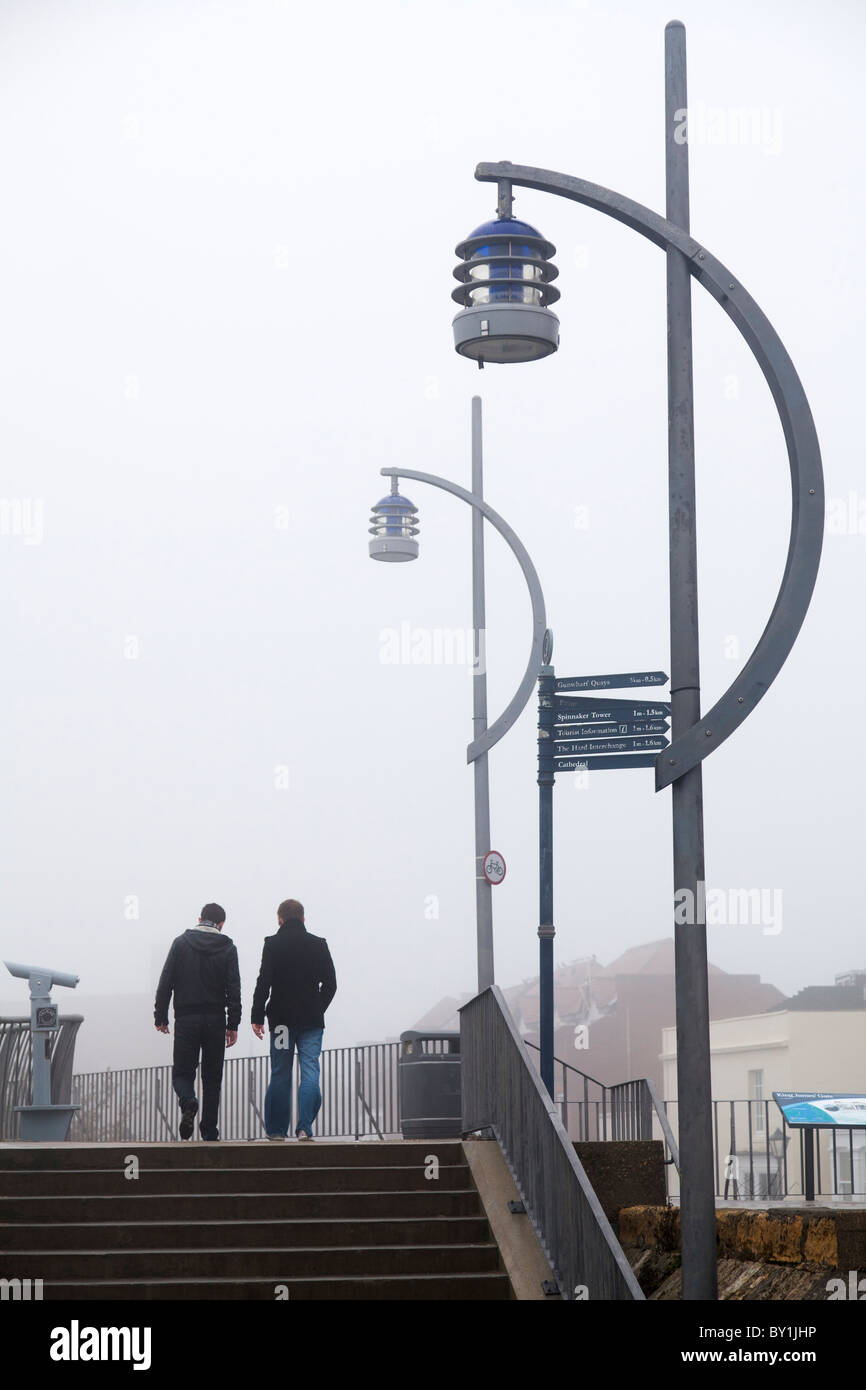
column 393, row 528
column 505, row 288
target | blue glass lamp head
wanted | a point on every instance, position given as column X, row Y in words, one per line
column 505, row 288
column 393, row 528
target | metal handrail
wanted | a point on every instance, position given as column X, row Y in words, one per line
column 745, row 1166
column 592, row 1114
column 359, row 1093
column 662, row 1116
column 137, row 1104
column 503, row 1092
column 628, row 1106
column 568, row 1067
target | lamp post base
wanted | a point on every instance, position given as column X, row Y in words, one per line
column 45, row 1122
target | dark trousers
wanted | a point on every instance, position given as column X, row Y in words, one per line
column 205, row 1033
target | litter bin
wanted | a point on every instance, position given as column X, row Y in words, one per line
column 428, row 1085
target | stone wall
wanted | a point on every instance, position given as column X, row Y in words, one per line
column 775, row 1253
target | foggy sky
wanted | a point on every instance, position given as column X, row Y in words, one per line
column 226, row 248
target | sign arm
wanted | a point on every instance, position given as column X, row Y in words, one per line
column 519, row 700
column 804, row 456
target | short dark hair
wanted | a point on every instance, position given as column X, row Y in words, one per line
column 212, row 912
column 290, row 911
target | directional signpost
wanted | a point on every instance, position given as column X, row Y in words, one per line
column 570, row 709
column 605, row 762
column 629, row 681
column 572, row 727
column 579, row 732
column 611, row 728
column 587, row 746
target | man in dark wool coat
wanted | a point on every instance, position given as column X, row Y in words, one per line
column 298, row 974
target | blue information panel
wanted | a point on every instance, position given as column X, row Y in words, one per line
column 822, row 1109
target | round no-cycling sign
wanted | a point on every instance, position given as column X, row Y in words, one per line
column 493, row 866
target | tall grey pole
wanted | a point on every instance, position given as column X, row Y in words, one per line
column 546, row 929
column 694, row 738
column 486, row 737
column 697, row 1188
column 483, row 890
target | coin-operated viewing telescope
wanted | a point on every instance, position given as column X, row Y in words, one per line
column 41, row 1120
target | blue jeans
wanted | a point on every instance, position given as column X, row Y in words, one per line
column 278, row 1098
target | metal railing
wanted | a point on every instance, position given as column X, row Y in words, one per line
column 583, row 1101
column 138, row 1105
column 758, row 1157
column 16, row 1067
column 592, row 1111
column 660, row 1118
column 631, row 1110
column 503, row 1092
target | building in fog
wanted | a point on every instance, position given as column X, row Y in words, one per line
column 814, row 1041
column 610, row 1018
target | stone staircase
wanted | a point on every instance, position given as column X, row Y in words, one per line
column 329, row 1220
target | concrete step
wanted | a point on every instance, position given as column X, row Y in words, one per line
column 265, row 1234
column 244, row 1206
column 331, row 1220
column 452, row 1287
column 271, row 1178
column 340, row 1153
column 248, row 1263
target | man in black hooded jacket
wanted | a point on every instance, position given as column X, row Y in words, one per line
column 202, row 970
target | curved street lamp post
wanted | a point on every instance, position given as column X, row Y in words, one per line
column 505, row 290
column 393, row 529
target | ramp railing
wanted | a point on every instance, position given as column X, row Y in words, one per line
column 503, row 1092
